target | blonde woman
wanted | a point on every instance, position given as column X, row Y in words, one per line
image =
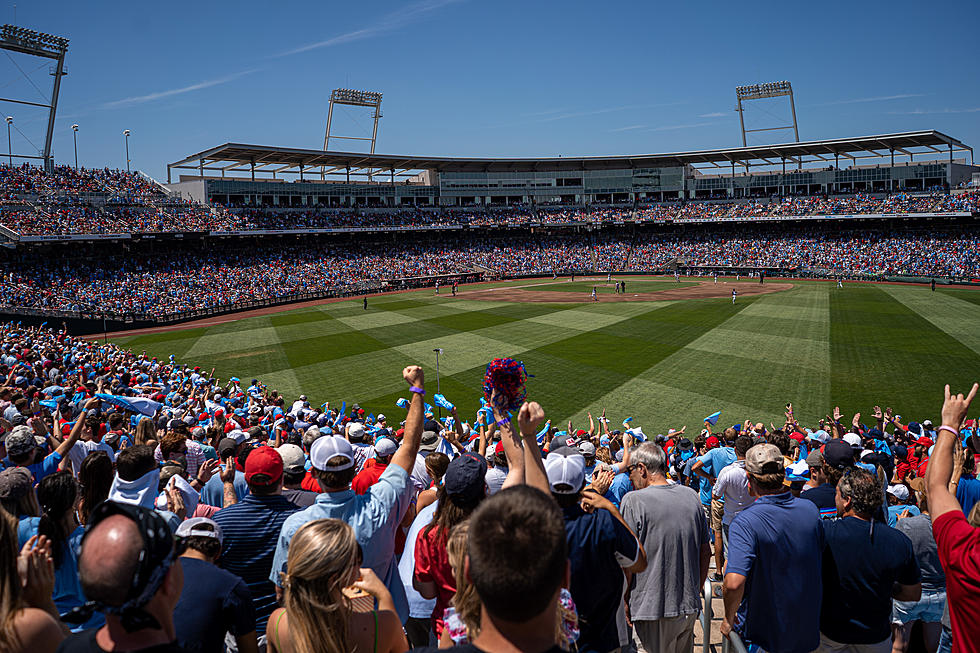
column 146, row 432
column 324, row 559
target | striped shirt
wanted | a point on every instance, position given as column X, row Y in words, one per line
column 251, row 529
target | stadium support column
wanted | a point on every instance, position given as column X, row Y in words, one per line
column 733, row 178
column 253, row 169
column 949, row 170
column 782, row 180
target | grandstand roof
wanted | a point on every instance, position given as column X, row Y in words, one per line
column 238, row 157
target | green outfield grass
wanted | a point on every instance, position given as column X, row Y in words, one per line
column 666, row 363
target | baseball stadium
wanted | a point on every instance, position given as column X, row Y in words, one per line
column 796, row 291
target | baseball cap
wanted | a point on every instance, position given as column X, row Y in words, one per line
column 814, row 458
column 566, row 471
column 712, row 442
column 898, row 491
column 763, row 459
column 15, row 482
column 263, row 466
column 200, row 527
column 927, row 425
column 924, row 441
column 238, row 435
column 380, row 418
column 430, row 439
column 331, row 446
column 465, row 478
column 20, row 441
column 838, row 454
column 385, row 446
column 586, row 449
column 226, row 447
column 853, row 439
column 562, row 440
column 914, row 428
column 355, row 431
column 820, row 436
column 293, row 460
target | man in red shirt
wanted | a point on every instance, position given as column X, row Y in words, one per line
column 915, row 460
column 383, row 450
column 958, row 542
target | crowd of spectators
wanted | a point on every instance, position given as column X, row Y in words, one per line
column 102, row 201
column 147, row 505
column 210, row 275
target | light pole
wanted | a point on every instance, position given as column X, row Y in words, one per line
column 10, row 156
column 126, row 134
column 74, row 135
column 438, row 350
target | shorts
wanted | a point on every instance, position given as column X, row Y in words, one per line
column 928, row 609
column 717, row 513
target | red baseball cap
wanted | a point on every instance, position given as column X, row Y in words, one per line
column 499, row 449
column 799, row 437
column 924, row 441
column 263, row 466
column 712, row 442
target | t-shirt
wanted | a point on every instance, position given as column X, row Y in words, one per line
column 598, row 547
column 717, row 459
column 621, row 484
column 776, row 544
column 862, row 561
column 367, row 477
column 896, row 510
column 212, row 603
column 84, row 642
column 251, row 529
column 919, row 531
column 495, row 479
column 299, row 498
column 824, row 496
column 432, row 566
column 670, row 523
column 968, row 493
column 732, row 485
column 959, row 552
column 48, row 465
column 213, row 492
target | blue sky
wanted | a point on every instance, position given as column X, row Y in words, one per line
column 464, row 77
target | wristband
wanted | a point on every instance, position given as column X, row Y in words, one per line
column 417, row 390
column 950, row 429
column 503, row 421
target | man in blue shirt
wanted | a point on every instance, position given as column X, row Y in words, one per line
column 866, row 564
column 374, row 515
column 708, row 466
column 251, row 528
column 600, row 544
column 774, row 548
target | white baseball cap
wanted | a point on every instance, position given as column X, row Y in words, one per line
column 330, row 446
column 355, row 430
column 586, row 449
column 385, row 447
column 293, row 459
column 200, row 527
column 238, row 435
column 898, row 491
column 567, row 471
column 854, row 440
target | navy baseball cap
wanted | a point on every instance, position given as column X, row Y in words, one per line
column 465, row 478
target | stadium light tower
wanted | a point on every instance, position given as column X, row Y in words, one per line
column 126, row 134
column 10, row 156
column 47, row 46
column 762, row 92
column 354, row 98
column 74, row 137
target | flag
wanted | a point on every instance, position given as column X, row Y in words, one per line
column 713, row 418
column 140, row 405
column 442, row 402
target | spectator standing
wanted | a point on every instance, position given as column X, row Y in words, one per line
column 214, row 601
column 957, row 541
column 600, row 545
column 776, row 538
column 732, row 486
column 374, row 516
column 251, row 528
column 293, row 471
column 866, row 564
column 670, row 524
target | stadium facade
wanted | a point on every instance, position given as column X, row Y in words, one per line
column 270, row 176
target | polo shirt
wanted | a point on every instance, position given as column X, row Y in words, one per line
column 374, row 516
column 251, row 528
column 776, row 544
column 861, row 565
column 733, row 486
column 598, row 547
column 824, row 496
column 959, row 553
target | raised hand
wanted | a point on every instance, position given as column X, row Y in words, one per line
column 837, row 413
column 413, row 375
column 956, row 406
column 529, row 418
column 876, row 413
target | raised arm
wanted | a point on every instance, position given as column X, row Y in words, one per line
column 405, row 456
column 940, row 467
column 529, row 418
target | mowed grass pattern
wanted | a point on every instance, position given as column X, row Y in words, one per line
column 666, row 364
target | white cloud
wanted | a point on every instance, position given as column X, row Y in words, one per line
column 880, row 98
column 388, row 23
column 626, row 129
column 149, row 97
column 714, row 114
column 924, row 112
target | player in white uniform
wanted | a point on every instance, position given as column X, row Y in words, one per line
column 734, row 294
